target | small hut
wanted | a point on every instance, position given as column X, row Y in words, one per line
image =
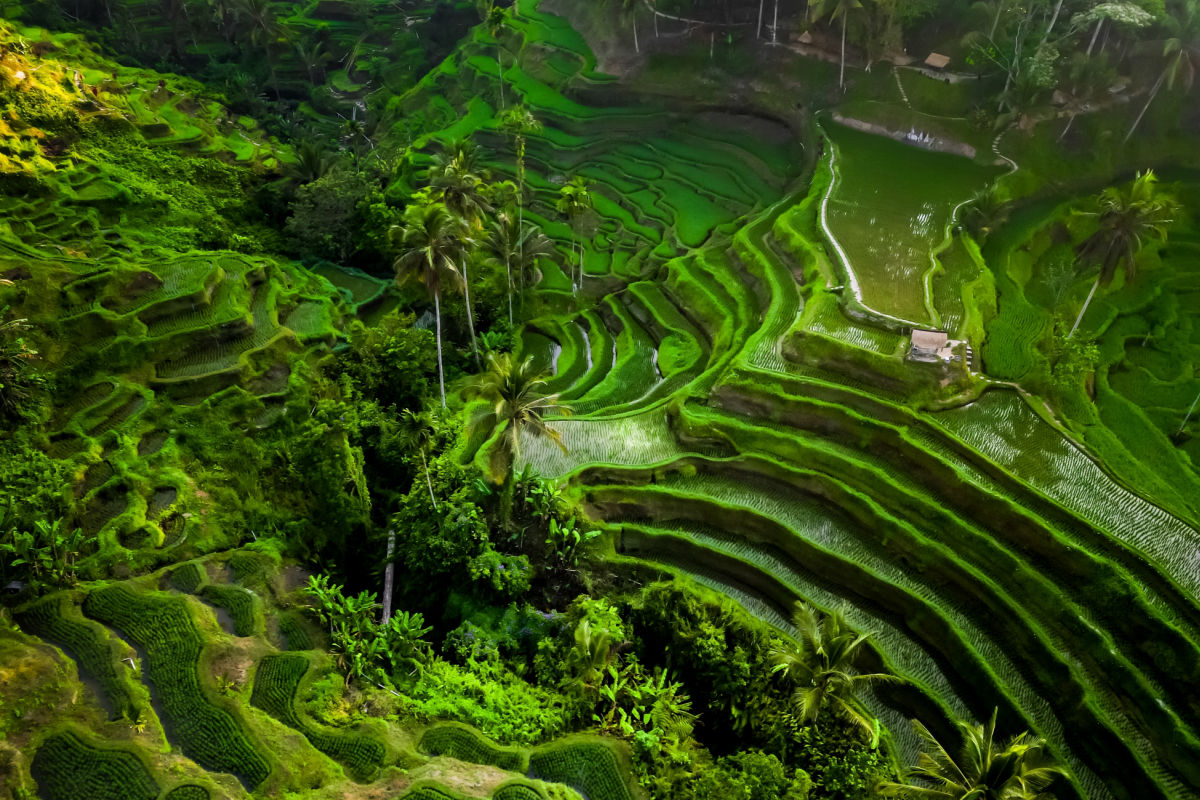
column 927, row 345
column 937, row 61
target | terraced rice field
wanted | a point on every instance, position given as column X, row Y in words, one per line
column 781, row 458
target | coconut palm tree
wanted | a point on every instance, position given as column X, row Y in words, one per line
column 454, row 183
column 503, row 240
column 1127, row 216
column 431, row 244
column 835, row 9
column 1182, row 51
column 518, row 406
column 574, row 201
column 819, row 666
column 495, row 18
column 532, row 248
column 263, row 31
column 986, row 769
column 519, row 122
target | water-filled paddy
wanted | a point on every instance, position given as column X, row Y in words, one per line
column 889, row 207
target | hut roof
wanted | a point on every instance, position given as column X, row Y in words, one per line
column 937, row 61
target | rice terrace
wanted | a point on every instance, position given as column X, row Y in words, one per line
column 599, row 399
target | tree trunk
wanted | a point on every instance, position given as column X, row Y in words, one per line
column 470, row 316
column 1153, row 94
column 1083, row 310
column 1095, row 34
column 842, row 74
column 775, row 24
column 388, row 575
column 637, row 48
column 437, row 313
column 1053, row 19
column 508, row 270
column 654, row 8
column 428, row 481
column 1188, row 416
column 1070, row 122
column 500, row 75
column 758, row 30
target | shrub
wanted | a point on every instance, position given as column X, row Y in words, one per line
column 275, row 686
column 465, row 744
column 66, row 768
column 188, row 791
column 163, row 629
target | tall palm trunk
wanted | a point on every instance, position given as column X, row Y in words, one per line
column 500, row 73
column 1053, row 19
column 388, row 575
column 758, row 30
column 1083, row 310
column 775, row 24
column 428, row 480
column 470, row 316
column 437, row 313
column 842, row 74
column 637, row 48
column 1095, row 35
column 508, row 271
column 1153, row 94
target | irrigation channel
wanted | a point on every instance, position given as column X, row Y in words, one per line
column 740, row 419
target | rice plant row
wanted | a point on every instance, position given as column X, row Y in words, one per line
column 187, row 791
column 67, row 768
column 276, row 683
column 591, row 767
column 466, row 744
column 239, row 603
column 162, row 628
column 86, row 643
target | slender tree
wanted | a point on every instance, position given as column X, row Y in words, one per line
column 834, row 10
column 19, row 383
column 1127, row 216
column 986, row 769
column 574, row 201
column 430, row 242
column 519, row 122
column 503, row 241
column 534, row 247
column 1182, row 52
column 495, row 18
column 819, row 666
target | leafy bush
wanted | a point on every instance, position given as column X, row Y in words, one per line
column 163, row 629
column 592, row 767
column 188, row 791
column 66, row 768
column 465, row 744
column 275, row 686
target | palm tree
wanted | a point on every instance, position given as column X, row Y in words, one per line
column 430, row 245
column 820, row 667
column 519, row 122
column 455, row 183
column 264, row 31
column 532, row 248
column 518, row 406
column 1126, row 217
column 1182, row 51
column 496, row 17
column 503, row 241
column 574, row 201
column 1018, row 769
column 835, row 9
